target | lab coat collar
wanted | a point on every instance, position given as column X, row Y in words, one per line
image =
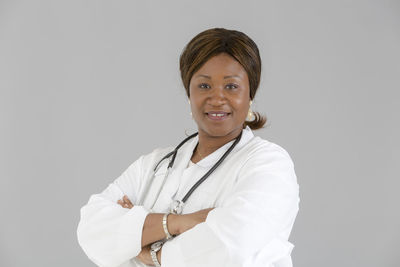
column 210, row 160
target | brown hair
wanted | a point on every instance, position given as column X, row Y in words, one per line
column 238, row 45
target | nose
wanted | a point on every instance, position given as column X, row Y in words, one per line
column 217, row 96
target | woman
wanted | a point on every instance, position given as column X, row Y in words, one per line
column 243, row 209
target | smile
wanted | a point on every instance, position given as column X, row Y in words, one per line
column 217, row 115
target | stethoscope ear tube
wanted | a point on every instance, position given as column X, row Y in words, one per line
column 165, row 157
column 174, row 152
column 171, row 163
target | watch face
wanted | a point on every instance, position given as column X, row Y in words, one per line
column 157, row 245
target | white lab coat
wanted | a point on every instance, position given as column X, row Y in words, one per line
column 254, row 192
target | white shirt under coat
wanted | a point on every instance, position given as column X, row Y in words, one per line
column 254, row 192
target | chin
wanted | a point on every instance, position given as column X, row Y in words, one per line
column 218, row 131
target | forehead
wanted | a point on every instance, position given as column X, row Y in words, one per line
column 221, row 65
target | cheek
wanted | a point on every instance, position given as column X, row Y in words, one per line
column 195, row 104
column 242, row 104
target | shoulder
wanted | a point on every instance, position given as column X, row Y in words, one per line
column 259, row 148
column 156, row 155
column 267, row 150
column 149, row 160
column 263, row 157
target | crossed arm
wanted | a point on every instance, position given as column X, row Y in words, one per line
column 257, row 216
column 153, row 230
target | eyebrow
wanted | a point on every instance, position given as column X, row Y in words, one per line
column 225, row 77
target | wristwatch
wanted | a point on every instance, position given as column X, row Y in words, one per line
column 153, row 252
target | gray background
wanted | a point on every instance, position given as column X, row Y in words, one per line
column 88, row 86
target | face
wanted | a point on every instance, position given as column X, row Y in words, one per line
column 220, row 96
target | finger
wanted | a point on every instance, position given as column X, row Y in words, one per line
column 126, row 205
column 121, row 203
column 126, row 199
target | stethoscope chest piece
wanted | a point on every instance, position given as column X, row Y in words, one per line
column 177, row 207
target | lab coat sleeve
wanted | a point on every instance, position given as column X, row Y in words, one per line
column 109, row 234
column 258, row 213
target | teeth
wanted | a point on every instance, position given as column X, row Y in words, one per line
column 217, row 115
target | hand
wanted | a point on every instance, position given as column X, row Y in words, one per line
column 144, row 256
column 188, row 221
column 125, row 202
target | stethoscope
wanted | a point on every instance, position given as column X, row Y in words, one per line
column 176, row 206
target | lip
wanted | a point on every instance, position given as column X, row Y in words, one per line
column 217, row 115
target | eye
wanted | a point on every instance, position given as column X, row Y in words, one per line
column 232, row 86
column 204, row 86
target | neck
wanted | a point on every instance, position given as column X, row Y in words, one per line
column 208, row 144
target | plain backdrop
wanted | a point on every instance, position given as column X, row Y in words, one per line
column 86, row 87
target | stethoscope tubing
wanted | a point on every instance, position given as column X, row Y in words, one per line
column 205, row 176
column 171, row 163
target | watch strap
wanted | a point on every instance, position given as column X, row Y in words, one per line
column 155, row 247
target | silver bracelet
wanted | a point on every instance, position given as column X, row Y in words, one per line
column 164, row 223
column 155, row 247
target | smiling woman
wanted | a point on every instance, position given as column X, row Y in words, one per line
column 222, row 197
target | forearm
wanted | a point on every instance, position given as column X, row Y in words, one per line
column 153, row 229
column 176, row 224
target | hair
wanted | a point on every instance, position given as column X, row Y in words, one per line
column 238, row 45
